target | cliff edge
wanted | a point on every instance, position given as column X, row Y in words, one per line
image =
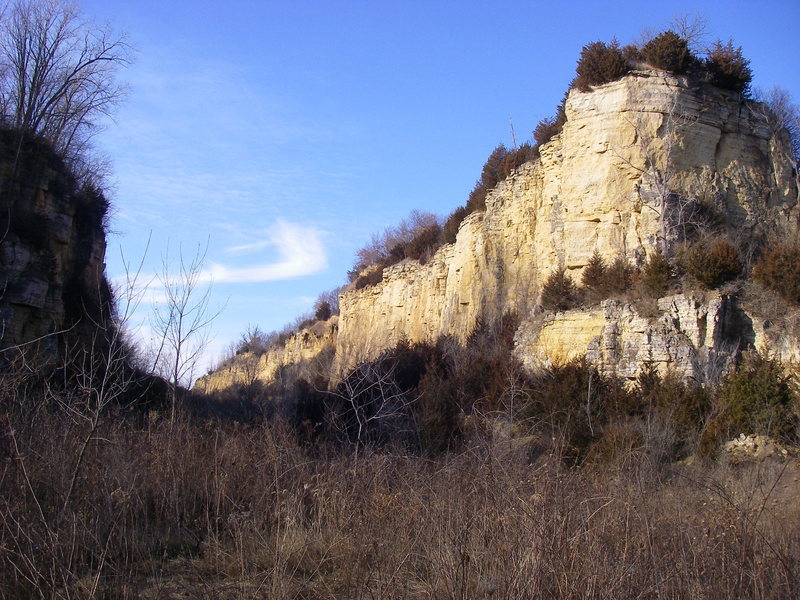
column 624, row 178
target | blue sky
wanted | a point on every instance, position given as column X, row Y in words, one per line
column 283, row 134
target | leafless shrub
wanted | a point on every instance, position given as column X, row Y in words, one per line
column 331, row 298
column 692, row 28
column 777, row 269
column 181, row 324
column 380, row 247
column 782, row 116
column 205, row 507
column 255, row 340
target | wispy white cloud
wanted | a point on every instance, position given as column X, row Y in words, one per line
column 300, row 252
column 245, row 248
column 184, row 143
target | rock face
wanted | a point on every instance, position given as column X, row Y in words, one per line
column 310, row 348
column 593, row 189
column 634, row 160
column 53, row 248
column 753, row 447
column 693, row 335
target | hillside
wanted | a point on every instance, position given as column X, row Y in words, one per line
column 627, row 148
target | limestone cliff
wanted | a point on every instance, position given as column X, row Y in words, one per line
column 632, row 156
column 309, row 349
column 591, row 190
column 694, row 335
column 52, row 247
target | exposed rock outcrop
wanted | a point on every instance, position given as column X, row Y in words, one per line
column 753, row 447
column 693, row 335
column 52, row 248
column 627, row 149
column 591, row 190
column 310, row 349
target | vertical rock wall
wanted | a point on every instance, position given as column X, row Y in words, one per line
column 594, row 188
column 52, row 248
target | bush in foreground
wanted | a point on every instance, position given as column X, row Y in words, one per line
column 220, row 511
column 758, row 398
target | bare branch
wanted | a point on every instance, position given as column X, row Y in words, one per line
column 782, row 116
column 57, row 73
column 371, row 399
column 694, row 29
column 182, row 322
column 657, row 187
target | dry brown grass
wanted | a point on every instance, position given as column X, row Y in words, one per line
column 228, row 511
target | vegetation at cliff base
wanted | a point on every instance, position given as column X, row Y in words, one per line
column 434, row 451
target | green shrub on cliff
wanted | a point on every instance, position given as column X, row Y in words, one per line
column 656, row 275
column 601, row 281
column 778, row 270
column 600, row 63
column 594, row 275
column 498, row 166
column 670, row 52
column 727, row 68
column 559, row 292
column 713, row 263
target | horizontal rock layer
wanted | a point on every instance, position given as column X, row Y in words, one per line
column 52, row 251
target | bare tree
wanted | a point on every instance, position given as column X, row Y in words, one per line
column 676, row 212
column 781, row 115
column 331, row 298
column 381, row 245
column 694, row 29
column 57, row 72
column 255, row 340
column 181, row 323
column 370, row 402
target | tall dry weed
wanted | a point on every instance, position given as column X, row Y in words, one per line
column 206, row 509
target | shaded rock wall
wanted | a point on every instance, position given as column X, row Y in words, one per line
column 306, row 348
column 52, row 248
